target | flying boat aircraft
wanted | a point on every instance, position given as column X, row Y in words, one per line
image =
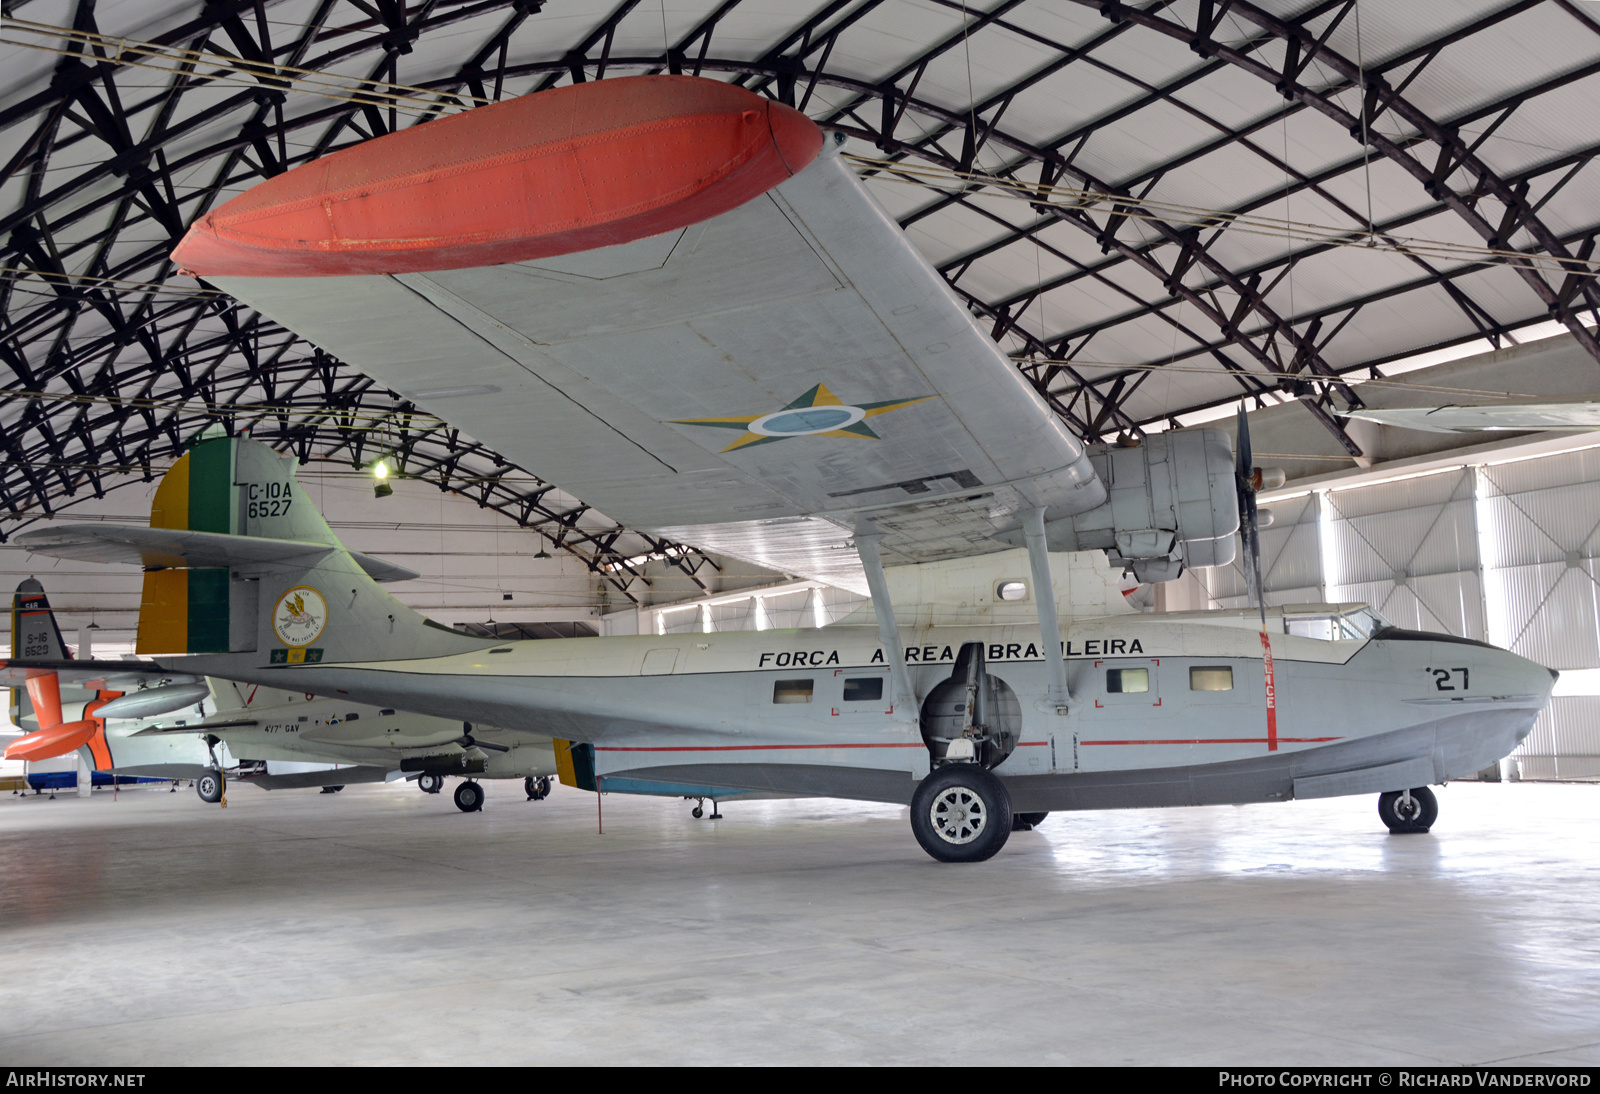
column 670, row 297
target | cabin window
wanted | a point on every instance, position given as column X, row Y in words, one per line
column 386, row 713
column 863, row 689
column 1211, row 678
column 791, row 691
column 1119, row 681
column 352, row 717
column 1011, row 590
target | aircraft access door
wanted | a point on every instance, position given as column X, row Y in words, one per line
column 1126, row 721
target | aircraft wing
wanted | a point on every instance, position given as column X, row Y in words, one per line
column 1480, row 419
column 763, row 382
column 159, row 548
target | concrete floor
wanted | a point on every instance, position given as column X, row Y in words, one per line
column 382, row 926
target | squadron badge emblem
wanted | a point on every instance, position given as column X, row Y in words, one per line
column 301, row 614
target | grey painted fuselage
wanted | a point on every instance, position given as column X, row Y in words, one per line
column 1351, row 716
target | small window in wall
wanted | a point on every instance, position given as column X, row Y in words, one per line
column 863, row 689
column 791, row 691
column 1127, row 680
column 1211, row 678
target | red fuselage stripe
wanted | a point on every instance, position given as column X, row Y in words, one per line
column 768, row 748
column 1222, row 741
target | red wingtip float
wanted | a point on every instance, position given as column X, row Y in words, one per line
column 559, row 171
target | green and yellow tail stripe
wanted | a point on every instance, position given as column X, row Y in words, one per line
column 186, row 611
column 197, row 492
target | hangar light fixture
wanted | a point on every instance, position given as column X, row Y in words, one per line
column 380, row 474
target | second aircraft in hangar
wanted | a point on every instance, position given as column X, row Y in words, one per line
column 671, row 298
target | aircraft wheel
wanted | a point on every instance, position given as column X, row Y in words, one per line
column 538, row 788
column 961, row 813
column 469, row 797
column 1412, row 810
column 333, row 789
column 209, row 787
column 430, row 784
column 697, row 812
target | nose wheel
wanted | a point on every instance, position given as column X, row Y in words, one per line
column 469, row 797
column 430, row 784
column 1407, row 811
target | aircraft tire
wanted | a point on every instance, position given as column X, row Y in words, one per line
column 469, row 797
column 1029, row 820
column 961, row 813
column 333, row 789
column 209, row 786
column 538, row 789
column 430, row 784
column 1424, row 810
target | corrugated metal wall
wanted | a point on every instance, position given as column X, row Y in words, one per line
column 1505, row 553
column 1540, row 520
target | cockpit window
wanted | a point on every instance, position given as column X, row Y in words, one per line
column 1356, row 624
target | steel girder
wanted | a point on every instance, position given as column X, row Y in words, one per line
column 1454, row 156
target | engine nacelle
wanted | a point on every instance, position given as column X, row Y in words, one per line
column 1170, row 503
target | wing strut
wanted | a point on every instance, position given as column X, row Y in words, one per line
column 1044, row 597
column 905, row 700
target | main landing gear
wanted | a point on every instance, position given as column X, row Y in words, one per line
column 1406, row 811
column 538, row 788
column 469, row 797
column 430, row 784
column 209, row 786
column 961, row 813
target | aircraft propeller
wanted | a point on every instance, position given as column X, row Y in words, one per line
column 1247, row 480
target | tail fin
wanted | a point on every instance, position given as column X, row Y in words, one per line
column 237, row 560
column 34, row 634
column 289, row 592
column 36, row 637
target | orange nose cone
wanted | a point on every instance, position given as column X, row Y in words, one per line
column 45, row 744
column 796, row 137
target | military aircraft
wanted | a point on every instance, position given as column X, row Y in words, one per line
column 672, row 298
column 123, row 715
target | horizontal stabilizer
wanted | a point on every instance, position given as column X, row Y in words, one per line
column 89, row 674
column 165, row 548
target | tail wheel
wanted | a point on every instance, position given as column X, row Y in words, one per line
column 961, row 813
column 469, row 797
column 1412, row 810
column 209, row 786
